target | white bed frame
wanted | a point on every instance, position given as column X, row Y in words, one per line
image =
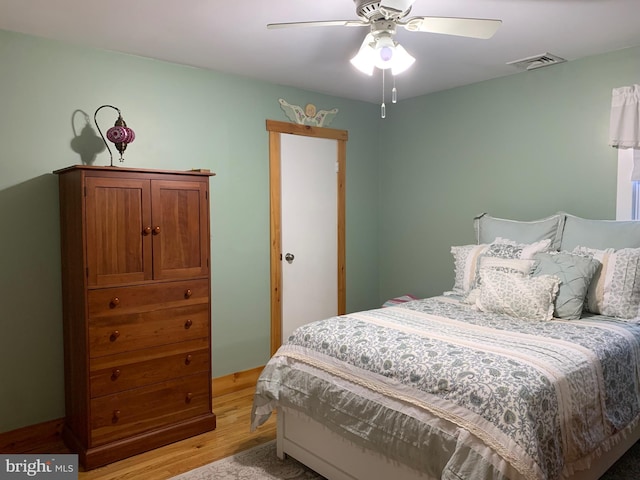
column 337, row 458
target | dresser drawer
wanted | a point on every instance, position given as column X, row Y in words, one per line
column 121, row 300
column 147, row 408
column 124, row 333
column 115, row 373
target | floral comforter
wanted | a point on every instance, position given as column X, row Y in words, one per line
column 463, row 394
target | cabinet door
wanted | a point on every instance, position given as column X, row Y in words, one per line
column 118, row 212
column 180, row 217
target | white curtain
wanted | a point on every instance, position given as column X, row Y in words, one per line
column 635, row 173
column 624, row 127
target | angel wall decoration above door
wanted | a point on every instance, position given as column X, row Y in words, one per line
column 308, row 115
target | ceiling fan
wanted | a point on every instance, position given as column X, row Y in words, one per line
column 379, row 49
column 371, row 11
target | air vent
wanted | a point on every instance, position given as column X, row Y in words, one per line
column 537, row 61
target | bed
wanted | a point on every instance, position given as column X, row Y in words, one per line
column 528, row 369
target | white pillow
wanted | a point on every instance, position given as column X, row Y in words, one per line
column 465, row 258
column 529, row 298
column 615, row 288
column 518, row 266
column 503, row 247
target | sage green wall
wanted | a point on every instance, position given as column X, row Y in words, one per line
column 184, row 118
column 522, row 147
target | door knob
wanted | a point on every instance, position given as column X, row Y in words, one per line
column 289, row 257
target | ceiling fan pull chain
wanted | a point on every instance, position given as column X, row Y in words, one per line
column 383, row 108
column 379, row 49
column 394, row 92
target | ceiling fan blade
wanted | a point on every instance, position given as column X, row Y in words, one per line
column 463, row 27
column 327, row 23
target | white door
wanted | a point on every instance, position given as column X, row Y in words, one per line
column 309, row 213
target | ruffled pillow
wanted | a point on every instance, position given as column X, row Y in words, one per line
column 466, row 259
column 505, row 248
column 615, row 288
column 529, row 298
column 517, row 266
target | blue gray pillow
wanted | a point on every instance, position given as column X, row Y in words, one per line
column 487, row 228
column 575, row 273
column 599, row 234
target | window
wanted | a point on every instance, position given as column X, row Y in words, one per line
column 628, row 197
column 635, row 201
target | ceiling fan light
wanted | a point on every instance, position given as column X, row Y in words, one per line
column 363, row 62
column 384, row 52
column 402, row 60
column 364, row 59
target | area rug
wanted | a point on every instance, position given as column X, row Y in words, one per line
column 261, row 463
column 258, row 463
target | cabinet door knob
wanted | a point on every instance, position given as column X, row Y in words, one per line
column 115, row 301
column 156, row 230
column 116, row 416
column 188, row 360
column 188, row 323
column 115, row 374
column 188, row 397
column 188, row 293
column 114, row 335
column 146, row 231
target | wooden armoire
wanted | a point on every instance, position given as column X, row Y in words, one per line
column 137, row 307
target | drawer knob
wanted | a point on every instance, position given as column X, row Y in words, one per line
column 156, row 230
column 116, row 416
column 115, row 301
column 188, row 397
column 188, row 359
column 188, row 293
column 114, row 335
column 188, row 324
column 115, row 374
column 146, row 231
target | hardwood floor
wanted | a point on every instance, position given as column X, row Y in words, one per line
column 232, row 435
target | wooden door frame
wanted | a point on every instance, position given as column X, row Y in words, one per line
column 275, row 129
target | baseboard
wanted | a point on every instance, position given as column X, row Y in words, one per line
column 235, row 381
column 43, row 437
column 33, row 438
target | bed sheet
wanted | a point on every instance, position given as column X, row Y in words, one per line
column 458, row 393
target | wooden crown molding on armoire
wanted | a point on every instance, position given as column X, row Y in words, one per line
column 136, row 289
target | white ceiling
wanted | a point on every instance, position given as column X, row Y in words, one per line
column 231, row 36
